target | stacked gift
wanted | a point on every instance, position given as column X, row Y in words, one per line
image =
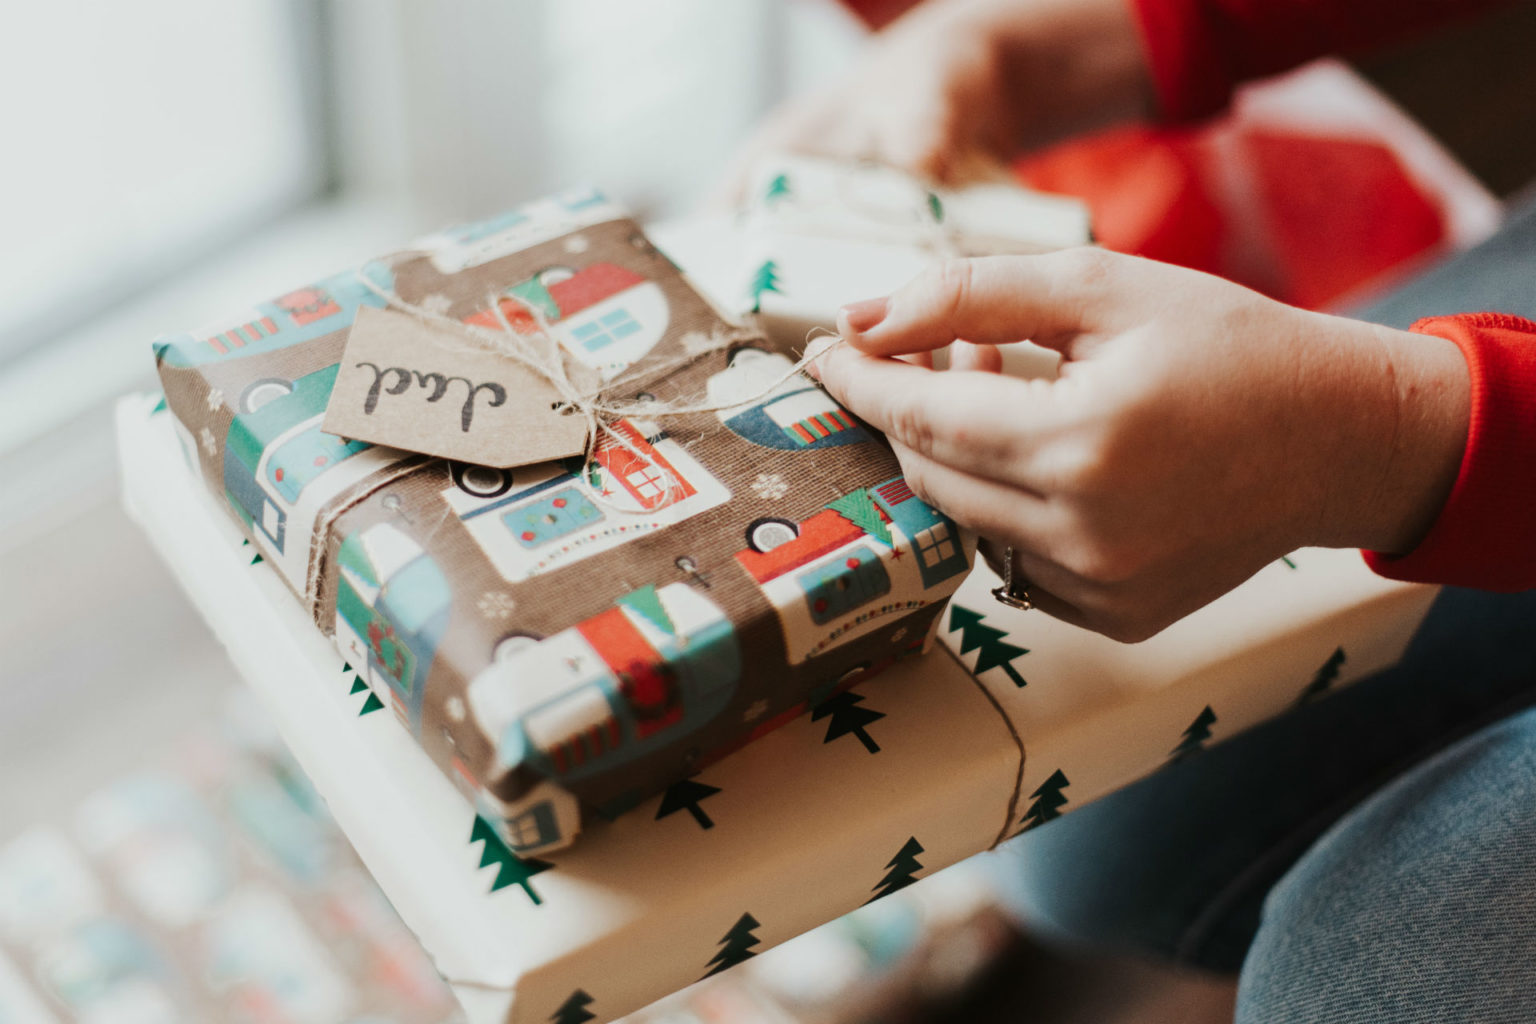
column 780, row 562
column 1018, row 720
column 569, row 637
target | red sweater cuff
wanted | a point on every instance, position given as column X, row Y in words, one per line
column 1483, row 536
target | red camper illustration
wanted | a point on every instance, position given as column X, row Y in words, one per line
column 873, row 553
column 605, row 315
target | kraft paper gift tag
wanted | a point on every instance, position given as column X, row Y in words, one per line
column 423, row 388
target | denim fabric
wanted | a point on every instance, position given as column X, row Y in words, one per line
column 1419, row 906
column 1179, row 865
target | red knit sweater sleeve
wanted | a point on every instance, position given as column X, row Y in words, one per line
column 1485, row 535
column 1198, row 50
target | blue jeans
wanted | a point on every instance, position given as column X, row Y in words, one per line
column 1367, row 858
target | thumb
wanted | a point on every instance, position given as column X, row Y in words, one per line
column 1047, row 299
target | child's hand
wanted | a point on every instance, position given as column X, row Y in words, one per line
column 956, row 87
column 1197, row 432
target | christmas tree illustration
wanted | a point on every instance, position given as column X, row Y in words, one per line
column 848, row 718
column 935, row 208
column 735, row 945
column 1194, row 737
column 1326, row 676
column 903, row 870
column 996, row 652
column 778, row 189
column 371, row 705
column 258, row 559
column 765, row 280
column 510, row 869
column 685, row 796
column 574, row 1010
column 859, row 509
column 1048, row 801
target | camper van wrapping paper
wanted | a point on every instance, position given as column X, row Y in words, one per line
column 821, row 233
column 566, row 639
column 1018, row 720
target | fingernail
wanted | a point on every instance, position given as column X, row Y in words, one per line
column 858, row 317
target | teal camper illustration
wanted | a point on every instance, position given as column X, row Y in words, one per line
column 656, row 666
column 392, row 605
column 872, row 554
column 280, row 468
column 794, row 415
column 535, row 519
column 300, row 316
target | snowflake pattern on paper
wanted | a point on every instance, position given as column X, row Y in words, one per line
column 454, row 708
column 215, row 399
column 496, row 604
column 757, row 709
column 576, row 243
column 437, row 303
column 770, row 486
column 209, row 443
column 899, row 635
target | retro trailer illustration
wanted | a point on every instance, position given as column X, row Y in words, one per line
column 535, row 519
column 870, row 554
column 281, row 469
column 796, row 414
column 392, row 605
column 605, row 315
column 292, row 319
column 659, row 664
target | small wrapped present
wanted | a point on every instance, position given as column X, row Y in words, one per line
column 821, row 233
column 1019, row 720
column 572, row 636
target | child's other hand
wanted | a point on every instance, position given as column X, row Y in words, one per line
column 956, row 87
column 1198, row 431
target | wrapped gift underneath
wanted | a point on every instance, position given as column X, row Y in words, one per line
column 574, row 635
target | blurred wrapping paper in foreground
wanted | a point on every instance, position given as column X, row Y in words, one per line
column 876, row 788
column 569, row 638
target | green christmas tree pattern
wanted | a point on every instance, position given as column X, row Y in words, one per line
column 258, row 559
column 735, row 945
column 903, row 870
column 574, row 1009
column 510, row 868
column 1194, row 737
column 1326, row 676
column 686, row 796
column 935, row 208
column 1048, row 801
column 995, row 651
column 848, row 718
column 859, row 509
column 765, row 280
column 645, row 603
column 778, row 189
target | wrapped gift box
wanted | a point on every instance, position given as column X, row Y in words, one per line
column 821, row 233
column 879, row 786
column 569, row 638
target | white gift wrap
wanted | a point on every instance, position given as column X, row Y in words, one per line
column 799, row 827
column 820, row 233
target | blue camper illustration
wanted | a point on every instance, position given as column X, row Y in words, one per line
column 657, row 665
column 795, row 415
column 392, row 605
column 292, row 319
